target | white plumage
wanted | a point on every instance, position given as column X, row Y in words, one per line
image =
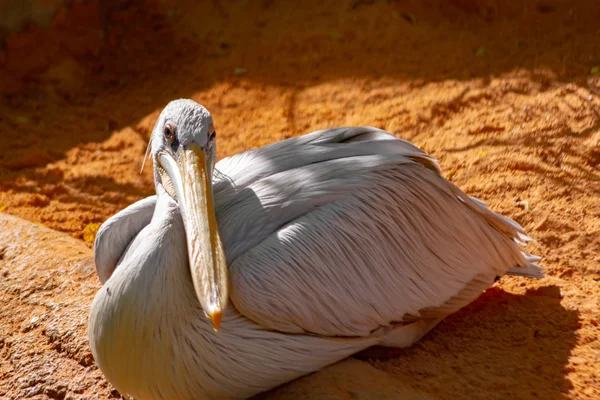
column 335, row 241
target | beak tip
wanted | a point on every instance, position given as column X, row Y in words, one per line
column 215, row 317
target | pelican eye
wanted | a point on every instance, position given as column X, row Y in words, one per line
column 169, row 132
column 212, row 136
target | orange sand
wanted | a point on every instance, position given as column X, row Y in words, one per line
column 507, row 96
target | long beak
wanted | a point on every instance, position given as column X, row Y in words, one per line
column 208, row 267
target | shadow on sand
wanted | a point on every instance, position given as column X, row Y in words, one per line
column 501, row 346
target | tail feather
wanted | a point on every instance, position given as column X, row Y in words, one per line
column 510, row 228
column 531, row 270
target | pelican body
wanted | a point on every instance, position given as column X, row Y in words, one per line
column 288, row 258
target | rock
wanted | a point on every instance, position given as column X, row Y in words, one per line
column 347, row 380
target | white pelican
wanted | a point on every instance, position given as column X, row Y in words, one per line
column 332, row 242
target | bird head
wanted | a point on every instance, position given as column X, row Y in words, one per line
column 184, row 153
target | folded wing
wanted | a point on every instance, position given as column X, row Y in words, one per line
column 343, row 238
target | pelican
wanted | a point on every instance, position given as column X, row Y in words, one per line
column 286, row 259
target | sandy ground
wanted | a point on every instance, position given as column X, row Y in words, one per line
column 507, row 96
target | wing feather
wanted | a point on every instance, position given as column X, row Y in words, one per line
column 237, row 172
column 258, row 191
column 387, row 238
column 117, row 232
